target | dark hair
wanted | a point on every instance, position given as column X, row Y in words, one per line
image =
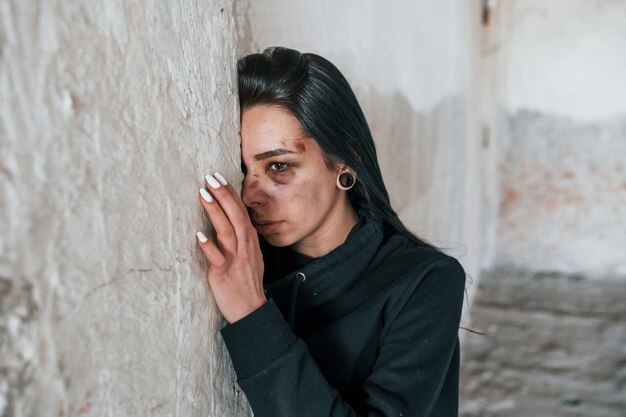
column 317, row 94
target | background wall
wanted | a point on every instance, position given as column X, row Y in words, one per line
column 554, row 101
column 413, row 67
column 111, row 113
column 551, row 297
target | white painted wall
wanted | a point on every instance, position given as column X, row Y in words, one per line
column 111, row 113
column 379, row 47
column 566, row 57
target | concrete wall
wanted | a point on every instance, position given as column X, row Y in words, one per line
column 111, row 113
column 551, row 296
column 413, row 66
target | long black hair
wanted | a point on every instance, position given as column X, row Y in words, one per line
column 318, row 95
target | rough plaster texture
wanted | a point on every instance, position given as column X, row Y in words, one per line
column 413, row 69
column 111, row 113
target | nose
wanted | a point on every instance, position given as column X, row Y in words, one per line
column 251, row 192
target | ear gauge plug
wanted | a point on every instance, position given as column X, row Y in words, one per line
column 345, row 181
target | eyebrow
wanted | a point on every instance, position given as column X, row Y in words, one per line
column 272, row 153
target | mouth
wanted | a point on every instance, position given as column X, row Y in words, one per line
column 266, row 226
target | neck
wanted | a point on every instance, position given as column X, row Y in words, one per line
column 332, row 233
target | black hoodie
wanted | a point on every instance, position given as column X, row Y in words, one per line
column 369, row 329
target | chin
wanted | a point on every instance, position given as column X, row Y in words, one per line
column 278, row 240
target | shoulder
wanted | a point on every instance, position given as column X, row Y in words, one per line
column 422, row 283
column 403, row 259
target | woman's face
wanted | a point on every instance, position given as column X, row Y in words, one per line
column 288, row 188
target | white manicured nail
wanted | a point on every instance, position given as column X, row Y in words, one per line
column 201, row 237
column 212, row 181
column 220, row 178
column 205, row 195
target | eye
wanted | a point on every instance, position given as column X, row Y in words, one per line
column 278, row 166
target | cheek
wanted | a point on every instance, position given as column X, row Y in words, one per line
column 301, row 199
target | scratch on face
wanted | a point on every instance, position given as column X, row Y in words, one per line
column 300, row 146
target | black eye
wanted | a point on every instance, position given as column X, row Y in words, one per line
column 278, row 166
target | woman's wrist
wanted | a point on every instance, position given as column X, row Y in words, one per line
column 251, row 307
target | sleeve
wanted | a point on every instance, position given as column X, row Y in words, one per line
column 281, row 379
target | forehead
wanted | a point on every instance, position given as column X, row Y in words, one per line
column 265, row 127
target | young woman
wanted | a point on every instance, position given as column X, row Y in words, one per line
column 334, row 308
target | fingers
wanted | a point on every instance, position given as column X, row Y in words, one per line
column 225, row 232
column 231, row 205
column 210, row 250
column 231, row 190
column 226, row 196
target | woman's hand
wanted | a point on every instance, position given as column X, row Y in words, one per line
column 235, row 274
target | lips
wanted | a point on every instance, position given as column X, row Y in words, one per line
column 264, row 222
column 266, row 226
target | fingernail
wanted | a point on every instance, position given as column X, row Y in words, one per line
column 201, row 237
column 220, row 178
column 212, row 181
column 205, row 195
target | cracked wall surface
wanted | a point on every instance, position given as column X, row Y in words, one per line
column 111, row 113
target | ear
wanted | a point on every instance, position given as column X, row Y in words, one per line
column 341, row 167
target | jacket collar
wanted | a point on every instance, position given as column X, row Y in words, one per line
column 326, row 278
